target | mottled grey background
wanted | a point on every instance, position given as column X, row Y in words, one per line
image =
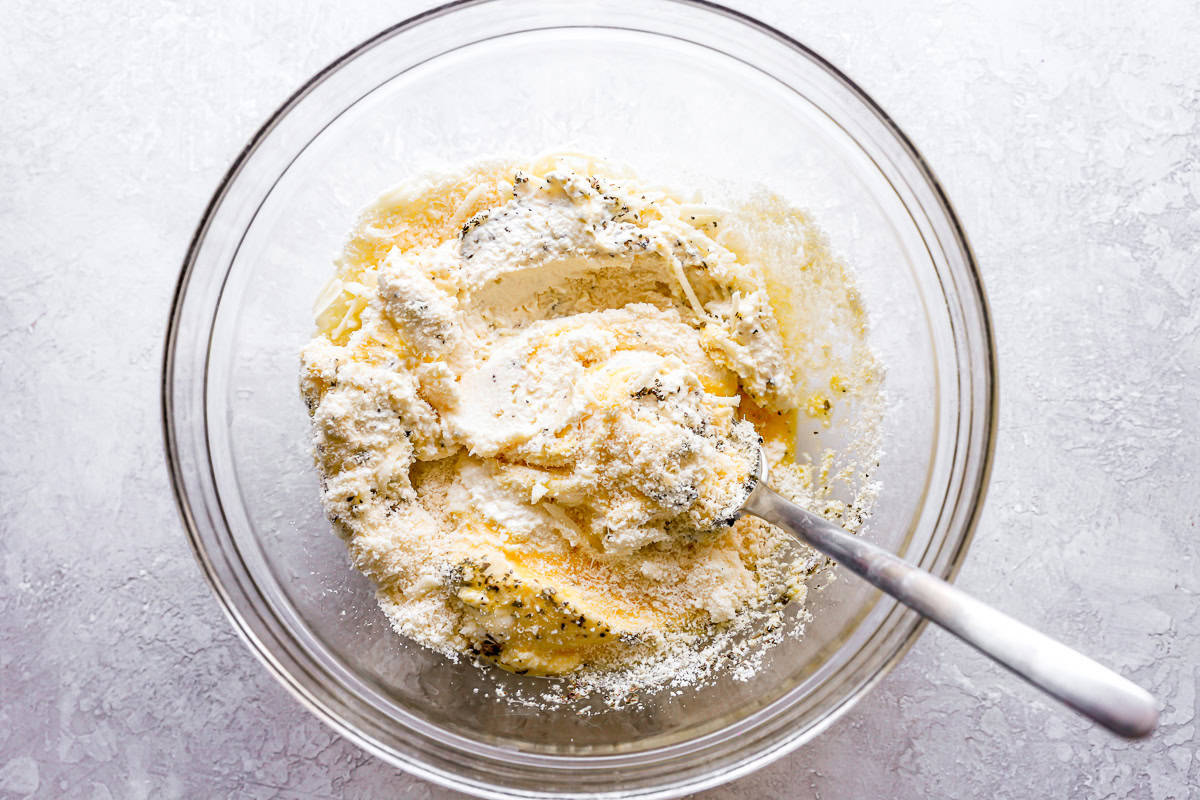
column 1068, row 137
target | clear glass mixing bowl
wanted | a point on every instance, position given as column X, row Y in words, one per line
column 700, row 95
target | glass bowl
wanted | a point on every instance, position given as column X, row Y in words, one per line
column 693, row 93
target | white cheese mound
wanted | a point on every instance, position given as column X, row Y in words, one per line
column 534, row 389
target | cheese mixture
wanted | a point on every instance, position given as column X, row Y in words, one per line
column 533, row 390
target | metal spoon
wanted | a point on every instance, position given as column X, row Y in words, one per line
column 1084, row 685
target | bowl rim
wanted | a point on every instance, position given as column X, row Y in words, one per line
column 989, row 421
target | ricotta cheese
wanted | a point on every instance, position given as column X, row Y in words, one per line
column 533, row 389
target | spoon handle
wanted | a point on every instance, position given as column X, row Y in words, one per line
column 1091, row 689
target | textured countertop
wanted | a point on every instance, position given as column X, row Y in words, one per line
column 1066, row 134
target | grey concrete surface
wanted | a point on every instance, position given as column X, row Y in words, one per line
column 1067, row 135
